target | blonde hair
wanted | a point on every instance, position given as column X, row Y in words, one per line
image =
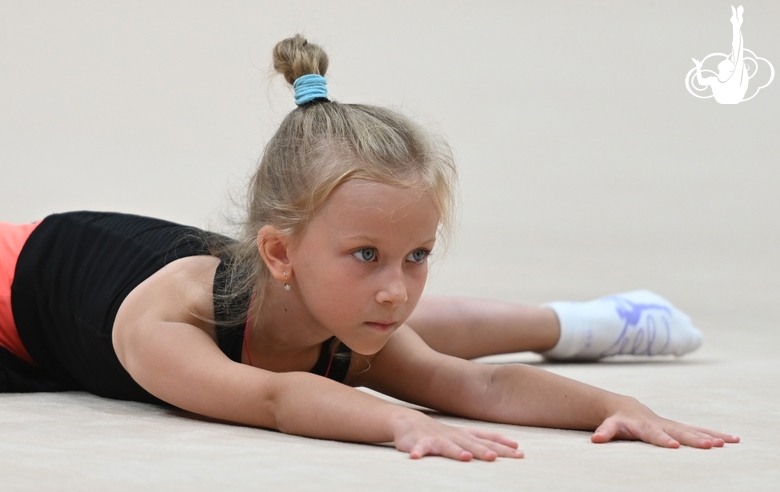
column 319, row 146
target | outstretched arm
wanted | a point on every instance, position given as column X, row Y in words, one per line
column 521, row 394
column 163, row 342
column 196, row 376
column 701, row 80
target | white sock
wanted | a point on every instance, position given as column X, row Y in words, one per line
column 636, row 323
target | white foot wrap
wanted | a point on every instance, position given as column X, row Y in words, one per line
column 635, row 323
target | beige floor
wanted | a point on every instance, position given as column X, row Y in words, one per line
column 586, row 169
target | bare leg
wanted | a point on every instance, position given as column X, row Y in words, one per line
column 470, row 328
column 736, row 39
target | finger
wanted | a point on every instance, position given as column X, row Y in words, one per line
column 456, row 452
column 659, row 437
column 717, row 442
column 612, row 429
column 694, row 439
column 485, row 454
column 502, row 445
column 417, row 452
column 701, row 438
column 493, row 436
column 605, row 432
column 502, row 449
column 423, row 447
column 448, row 450
column 478, row 450
column 726, row 437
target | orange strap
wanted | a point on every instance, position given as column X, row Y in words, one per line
column 12, row 239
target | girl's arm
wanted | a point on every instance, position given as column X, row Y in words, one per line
column 182, row 365
column 162, row 340
column 520, row 394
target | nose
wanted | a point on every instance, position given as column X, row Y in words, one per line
column 393, row 289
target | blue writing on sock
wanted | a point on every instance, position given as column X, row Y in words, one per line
column 631, row 314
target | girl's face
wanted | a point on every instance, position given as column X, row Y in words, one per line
column 361, row 265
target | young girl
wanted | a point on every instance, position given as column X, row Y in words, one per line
column 318, row 296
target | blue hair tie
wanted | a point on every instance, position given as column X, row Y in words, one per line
column 310, row 87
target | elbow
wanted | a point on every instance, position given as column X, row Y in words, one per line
column 495, row 392
column 281, row 403
column 271, row 402
column 501, row 389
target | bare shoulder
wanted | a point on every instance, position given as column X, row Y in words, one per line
column 182, row 291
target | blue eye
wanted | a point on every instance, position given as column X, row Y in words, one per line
column 418, row 256
column 365, row 254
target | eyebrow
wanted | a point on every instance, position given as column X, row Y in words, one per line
column 372, row 239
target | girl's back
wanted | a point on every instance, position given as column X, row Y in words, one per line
column 73, row 274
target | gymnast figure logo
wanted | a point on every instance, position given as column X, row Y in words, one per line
column 735, row 70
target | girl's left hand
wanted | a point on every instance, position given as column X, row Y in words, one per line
column 634, row 421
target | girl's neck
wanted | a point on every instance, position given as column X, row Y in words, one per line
column 282, row 325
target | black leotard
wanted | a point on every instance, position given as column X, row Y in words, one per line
column 74, row 272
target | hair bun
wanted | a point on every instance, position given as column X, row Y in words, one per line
column 295, row 57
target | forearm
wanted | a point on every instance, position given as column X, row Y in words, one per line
column 324, row 409
column 738, row 54
column 312, row 406
column 736, row 41
column 295, row 402
column 699, row 78
column 517, row 394
column 525, row 395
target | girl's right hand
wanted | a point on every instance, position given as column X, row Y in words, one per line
column 420, row 435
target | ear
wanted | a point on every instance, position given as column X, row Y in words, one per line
column 273, row 246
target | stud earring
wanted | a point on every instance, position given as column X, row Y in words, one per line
column 286, row 285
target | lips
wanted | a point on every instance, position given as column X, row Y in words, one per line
column 382, row 326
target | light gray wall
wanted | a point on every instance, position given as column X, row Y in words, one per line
column 586, row 165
